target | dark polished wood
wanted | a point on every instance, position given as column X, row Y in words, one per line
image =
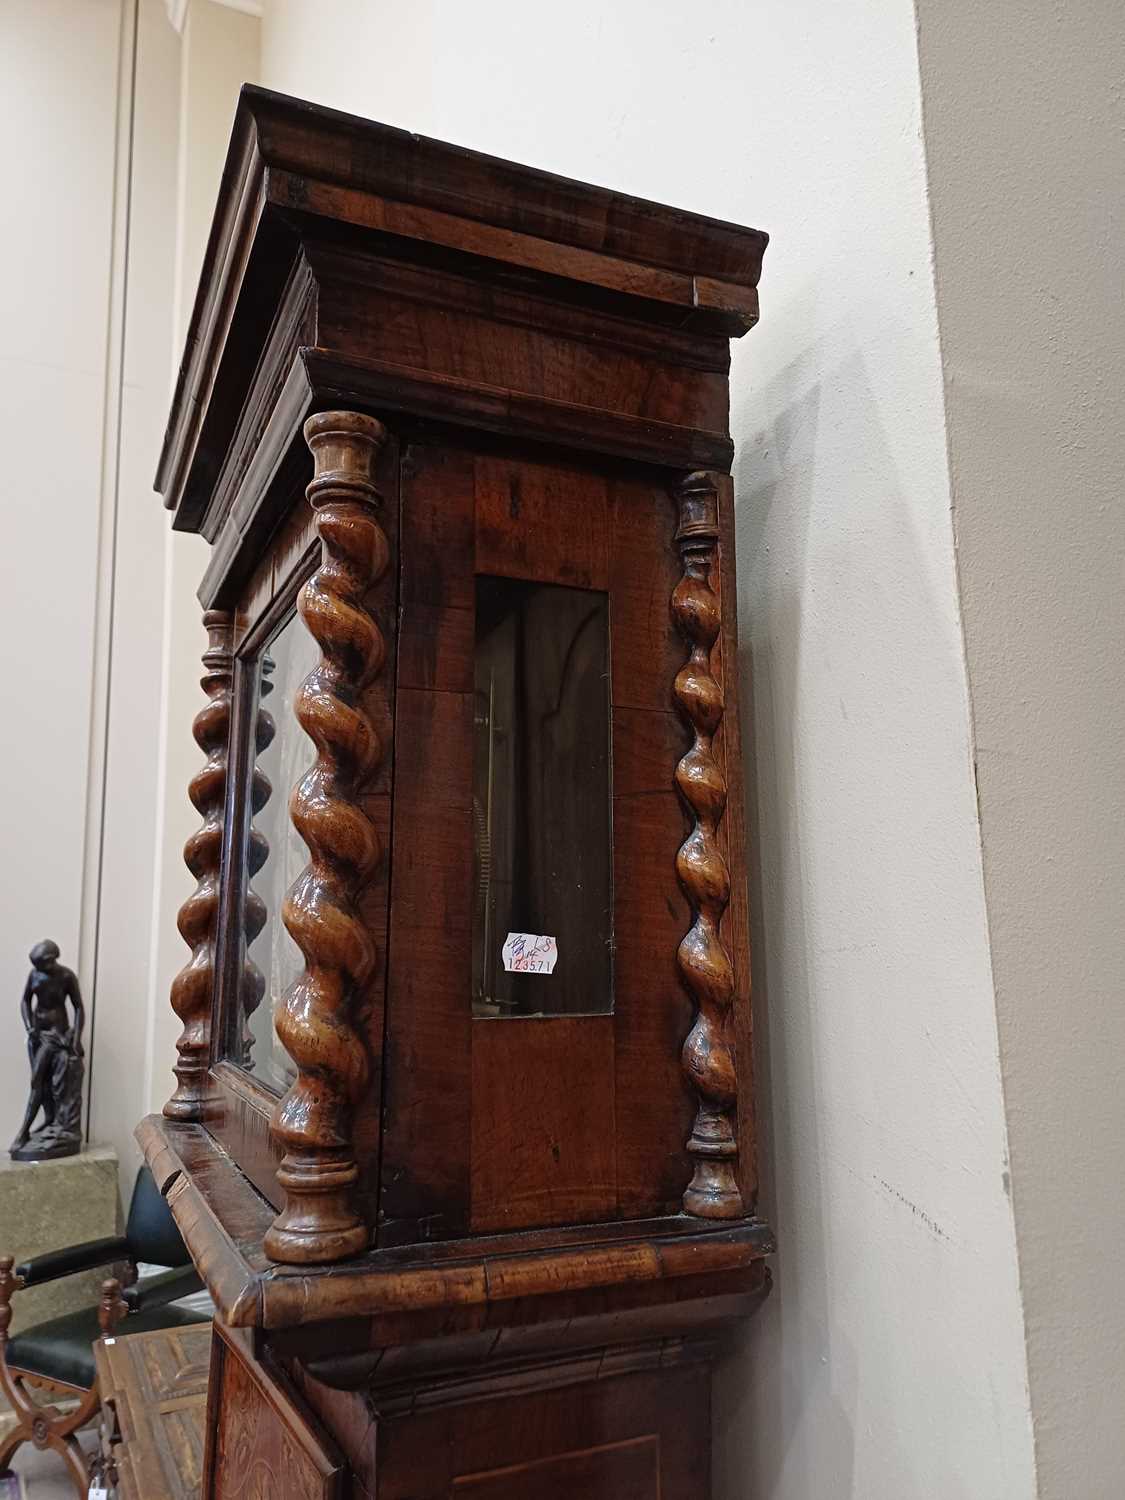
column 293, row 167
column 476, row 1281
column 320, row 1221
column 485, row 1244
column 193, row 987
column 254, row 913
column 598, row 1425
column 447, row 1171
column 709, row 1052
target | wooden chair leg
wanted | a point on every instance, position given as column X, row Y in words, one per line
column 11, row 1387
column 8, row 1448
column 46, row 1426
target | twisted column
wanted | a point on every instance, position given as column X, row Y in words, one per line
column 313, row 1121
column 708, row 1054
column 193, row 985
column 252, row 984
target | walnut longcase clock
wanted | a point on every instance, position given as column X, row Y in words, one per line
column 462, row 1133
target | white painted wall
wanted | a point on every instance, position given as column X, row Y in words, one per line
column 1028, row 193
column 890, row 1362
column 218, row 52
column 135, row 592
column 58, row 117
column 109, row 199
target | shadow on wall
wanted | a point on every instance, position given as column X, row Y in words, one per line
column 760, row 1401
column 787, row 1395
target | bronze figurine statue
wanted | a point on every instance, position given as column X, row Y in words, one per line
column 54, row 1049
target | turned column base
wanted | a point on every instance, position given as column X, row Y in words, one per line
column 319, row 1223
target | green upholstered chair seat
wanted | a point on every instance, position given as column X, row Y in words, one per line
column 62, row 1348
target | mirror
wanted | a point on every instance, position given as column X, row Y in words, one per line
column 542, row 814
column 275, row 852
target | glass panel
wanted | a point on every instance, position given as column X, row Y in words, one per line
column 276, row 853
column 543, row 911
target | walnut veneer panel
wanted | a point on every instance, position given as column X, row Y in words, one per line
column 615, row 1471
column 643, row 1436
column 262, row 1441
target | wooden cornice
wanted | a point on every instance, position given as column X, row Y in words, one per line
column 299, row 178
column 266, row 464
column 323, row 146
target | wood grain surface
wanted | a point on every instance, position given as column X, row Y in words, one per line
column 193, row 987
column 313, row 1122
column 154, row 1403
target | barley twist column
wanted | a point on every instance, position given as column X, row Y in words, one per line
column 708, row 1054
column 315, row 1023
column 192, row 987
column 253, row 985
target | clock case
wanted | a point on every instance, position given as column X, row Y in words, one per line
column 411, row 366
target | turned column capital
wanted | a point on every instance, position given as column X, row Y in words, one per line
column 344, row 446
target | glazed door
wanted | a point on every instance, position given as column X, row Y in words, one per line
column 535, row 1014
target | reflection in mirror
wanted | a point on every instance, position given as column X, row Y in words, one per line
column 543, row 909
column 275, row 852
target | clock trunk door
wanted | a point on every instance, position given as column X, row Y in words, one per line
column 535, row 1014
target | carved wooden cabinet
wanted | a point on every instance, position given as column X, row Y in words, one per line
column 462, row 1138
column 153, row 1389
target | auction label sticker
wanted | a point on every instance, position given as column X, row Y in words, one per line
column 530, row 953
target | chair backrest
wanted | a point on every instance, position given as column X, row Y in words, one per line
column 151, row 1230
